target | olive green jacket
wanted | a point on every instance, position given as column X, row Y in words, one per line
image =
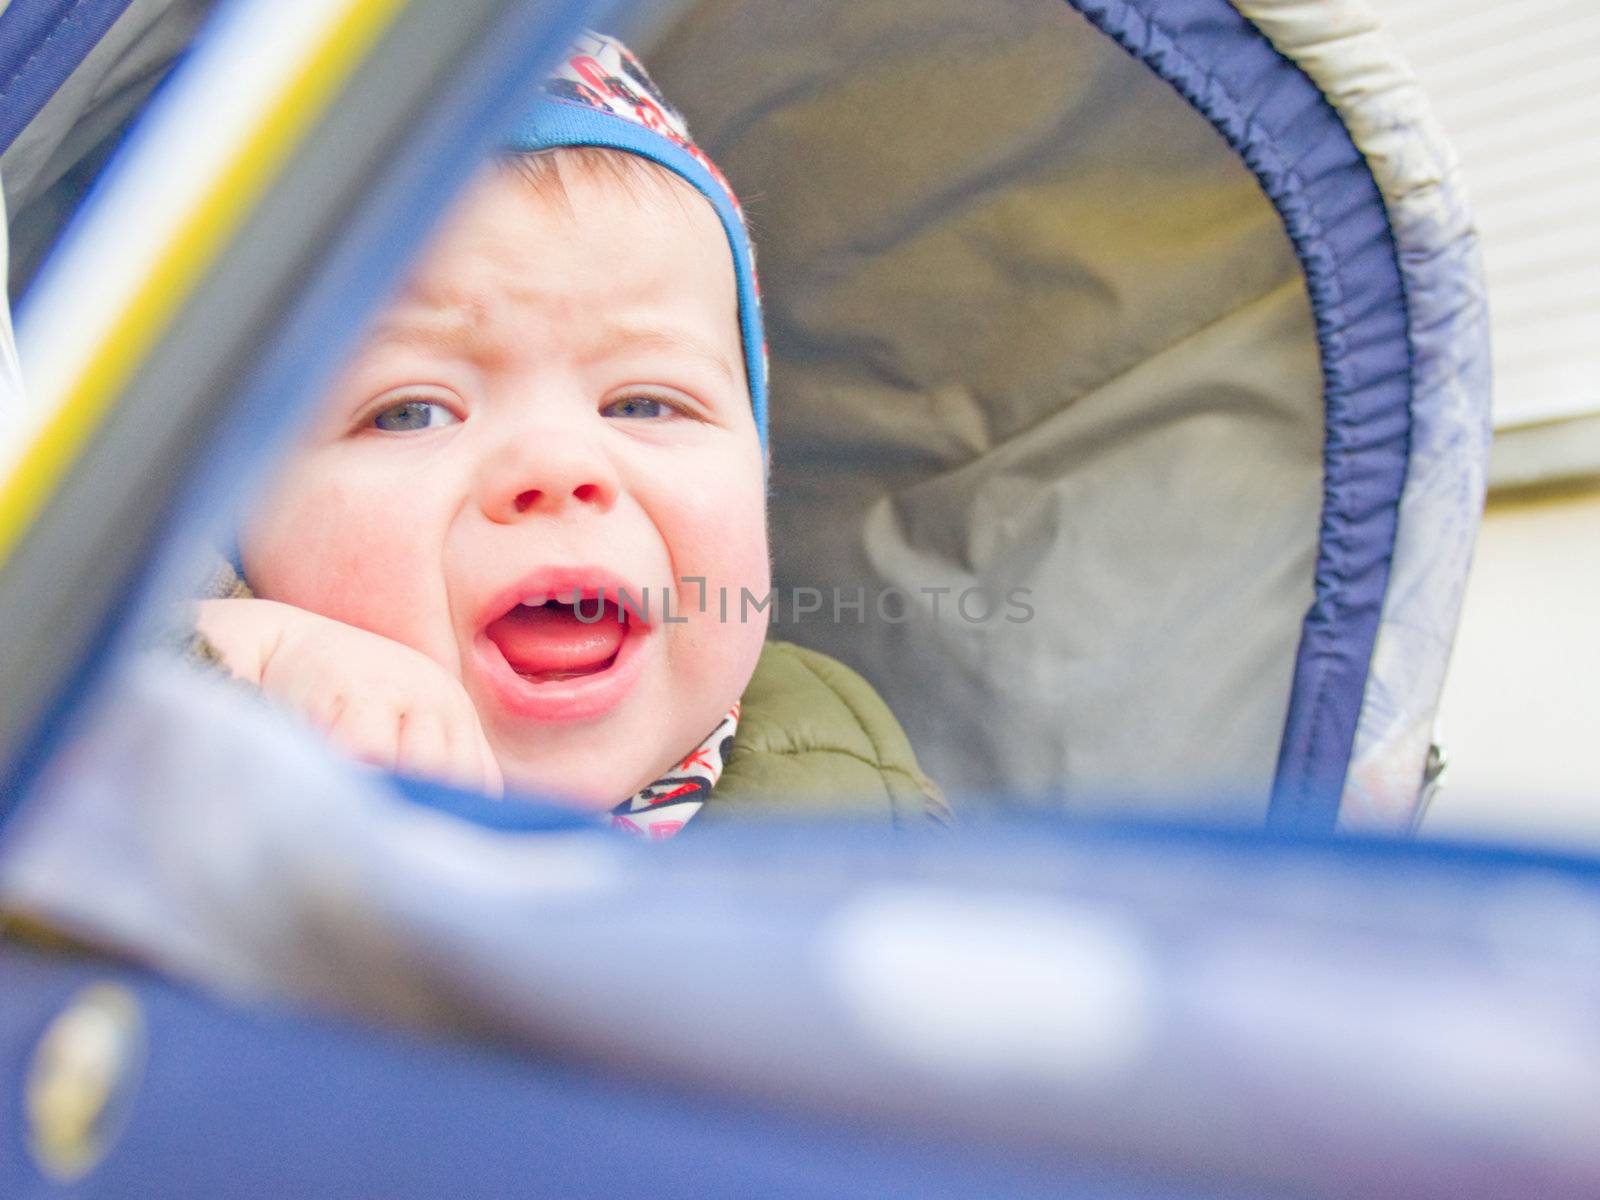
column 813, row 737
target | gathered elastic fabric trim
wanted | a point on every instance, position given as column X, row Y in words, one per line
column 41, row 44
column 1297, row 146
column 1343, row 46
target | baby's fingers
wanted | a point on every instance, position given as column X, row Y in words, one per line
column 444, row 746
column 475, row 761
column 493, row 782
column 470, row 749
column 370, row 732
column 425, row 748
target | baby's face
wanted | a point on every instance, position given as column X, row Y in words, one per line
column 556, row 401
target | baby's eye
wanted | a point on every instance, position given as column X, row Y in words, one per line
column 410, row 415
column 638, row 408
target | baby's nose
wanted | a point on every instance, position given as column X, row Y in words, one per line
column 584, row 493
column 547, row 474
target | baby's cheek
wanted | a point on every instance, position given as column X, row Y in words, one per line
column 730, row 553
column 349, row 554
column 719, row 529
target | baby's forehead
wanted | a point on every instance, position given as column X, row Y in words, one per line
column 512, row 253
column 514, row 225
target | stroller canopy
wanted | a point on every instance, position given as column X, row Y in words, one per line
column 1165, row 313
column 1129, row 390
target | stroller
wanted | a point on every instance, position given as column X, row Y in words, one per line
column 1161, row 316
column 1058, row 307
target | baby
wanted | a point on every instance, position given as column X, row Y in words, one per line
column 514, row 548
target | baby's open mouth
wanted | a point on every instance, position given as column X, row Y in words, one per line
column 546, row 640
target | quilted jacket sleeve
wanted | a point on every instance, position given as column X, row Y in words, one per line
column 814, row 737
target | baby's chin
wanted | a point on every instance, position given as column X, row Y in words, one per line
column 597, row 786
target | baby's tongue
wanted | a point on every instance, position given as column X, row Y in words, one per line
column 550, row 642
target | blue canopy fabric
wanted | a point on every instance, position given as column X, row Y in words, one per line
column 1340, row 138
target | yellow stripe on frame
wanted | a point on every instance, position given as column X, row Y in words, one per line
column 193, row 247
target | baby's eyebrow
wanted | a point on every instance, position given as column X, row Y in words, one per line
column 447, row 328
column 677, row 341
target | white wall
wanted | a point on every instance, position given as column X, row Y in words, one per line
column 1521, row 710
column 1512, row 83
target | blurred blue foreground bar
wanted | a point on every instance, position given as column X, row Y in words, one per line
column 1040, row 1009
column 242, row 1103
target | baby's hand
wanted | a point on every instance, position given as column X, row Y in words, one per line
column 383, row 702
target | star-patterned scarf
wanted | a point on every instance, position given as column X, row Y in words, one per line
column 661, row 809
